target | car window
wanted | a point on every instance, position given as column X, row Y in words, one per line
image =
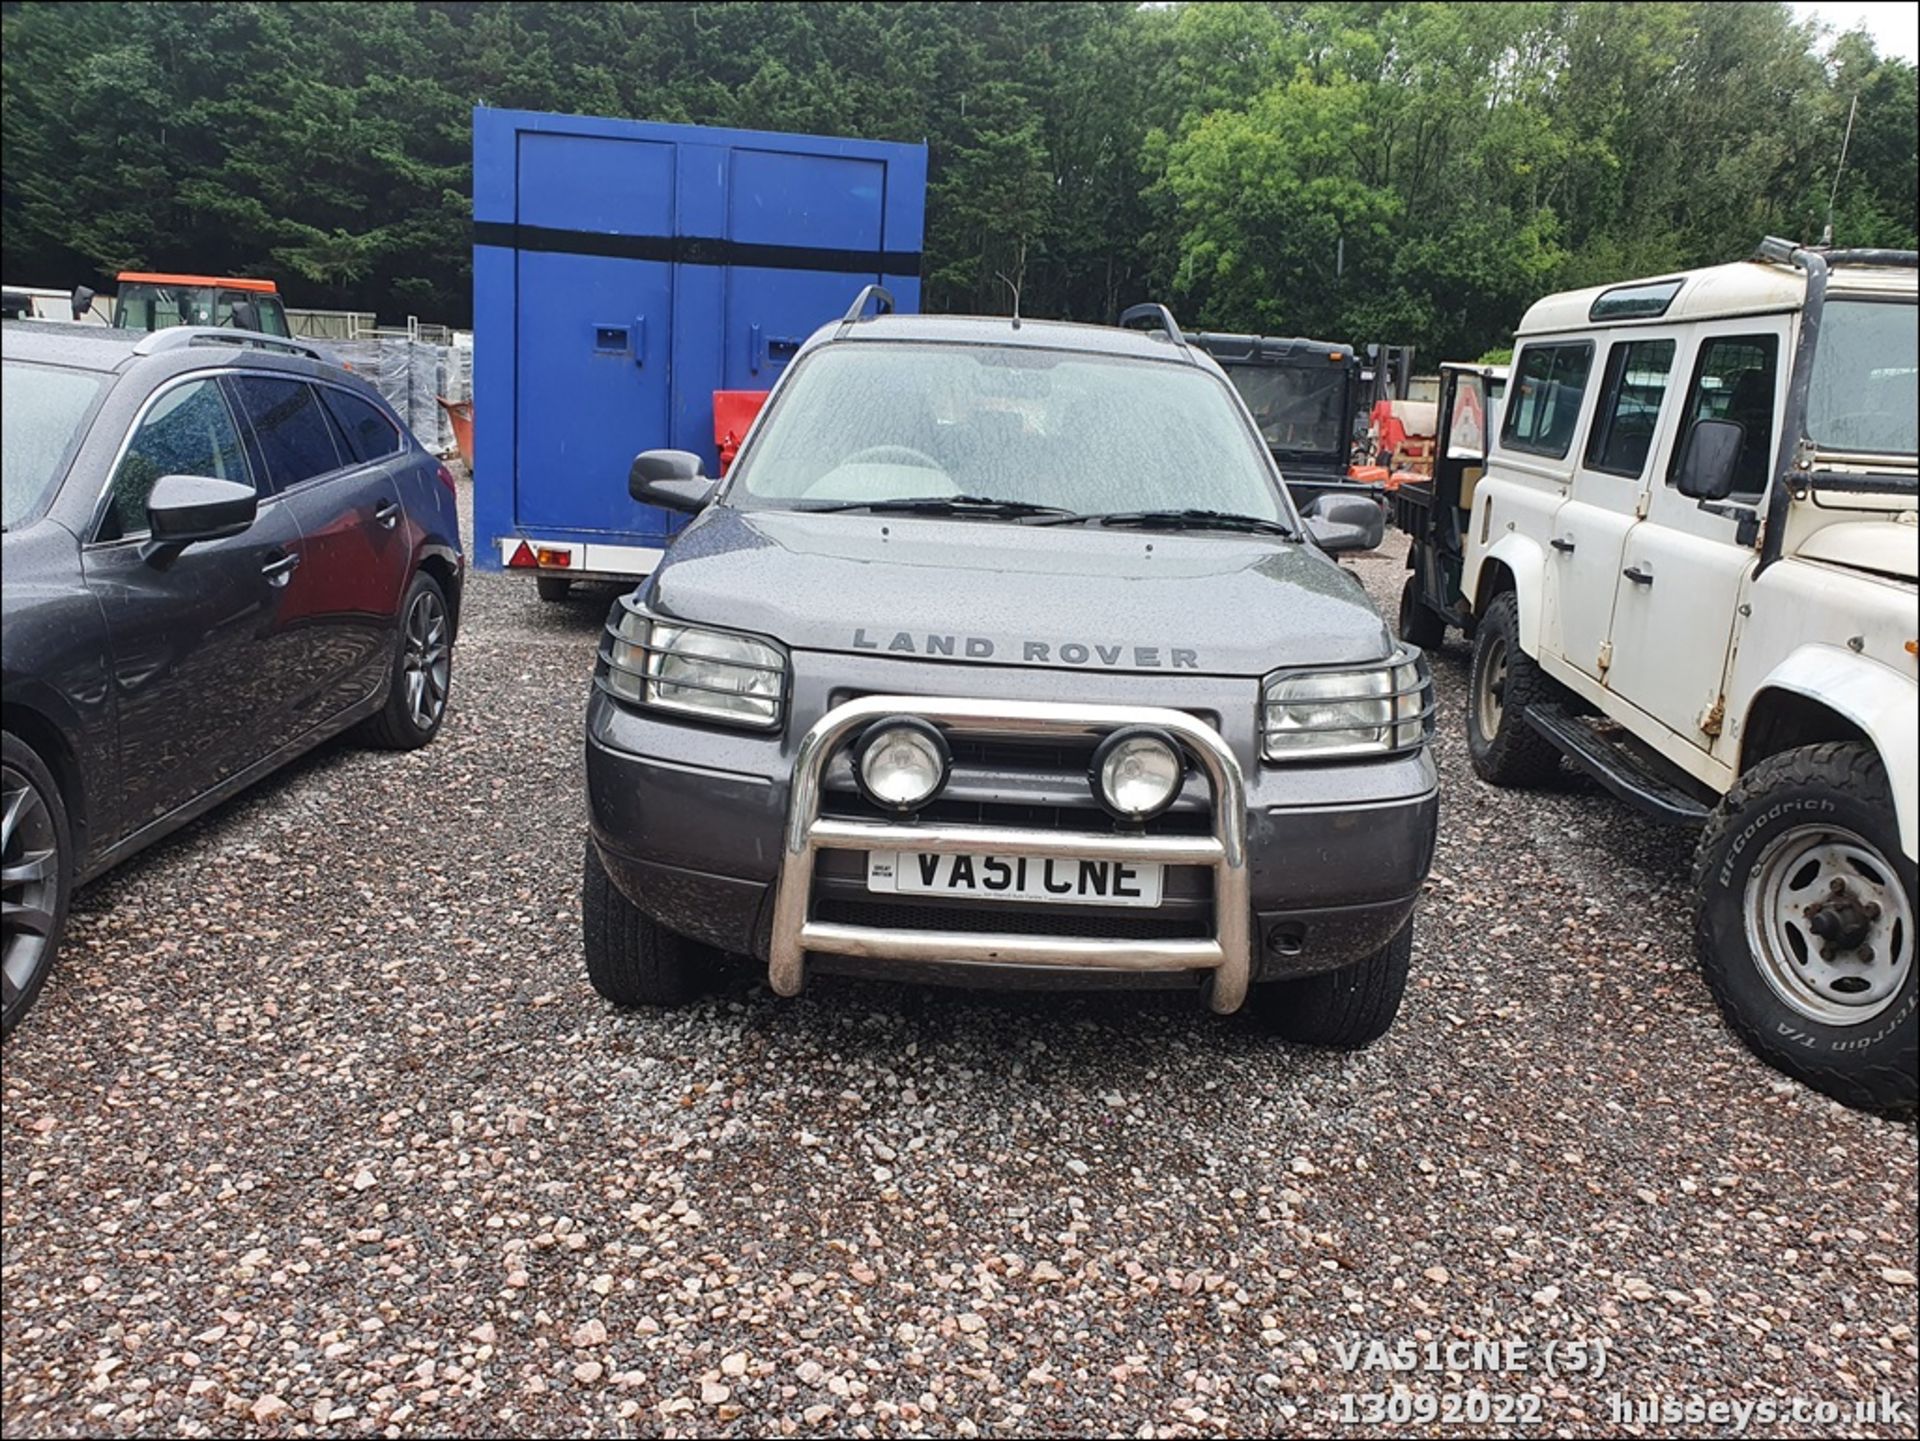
column 1087, row 433
column 368, row 432
column 1865, row 394
column 188, row 430
column 1543, row 403
column 296, row 437
column 1297, row 408
column 1734, row 380
column 269, row 317
column 1629, row 409
column 41, row 423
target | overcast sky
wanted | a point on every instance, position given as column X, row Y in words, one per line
column 1895, row 27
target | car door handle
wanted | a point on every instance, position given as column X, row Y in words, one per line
column 1637, row 575
column 1565, row 547
column 387, row 513
column 280, row 567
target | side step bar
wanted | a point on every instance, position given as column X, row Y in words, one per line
column 1617, row 766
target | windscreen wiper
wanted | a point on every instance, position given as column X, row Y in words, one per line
column 1179, row 520
column 944, row 505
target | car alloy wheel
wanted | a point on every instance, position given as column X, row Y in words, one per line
column 29, row 880
column 427, row 665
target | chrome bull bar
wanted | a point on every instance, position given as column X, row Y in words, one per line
column 1227, row 953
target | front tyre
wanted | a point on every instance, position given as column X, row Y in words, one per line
column 1804, row 924
column 1346, row 1009
column 36, row 876
column 632, row 959
column 422, row 672
column 1503, row 747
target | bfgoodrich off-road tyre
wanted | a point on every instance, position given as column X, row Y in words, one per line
column 1505, row 682
column 36, row 875
column 1346, row 1009
column 554, row 588
column 632, row 959
column 1419, row 625
column 1806, row 843
column 422, row 672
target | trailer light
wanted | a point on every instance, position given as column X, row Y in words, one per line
column 1349, row 713
column 559, row 559
column 1137, row 773
column 522, row 558
column 901, row 763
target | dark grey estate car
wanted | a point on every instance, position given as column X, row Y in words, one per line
column 219, row 551
column 1001, row 656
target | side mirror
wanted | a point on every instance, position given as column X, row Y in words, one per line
column 1710, row 459
column 1346, row 522
column 670, row 479
column 182, row 509
column 82, row 302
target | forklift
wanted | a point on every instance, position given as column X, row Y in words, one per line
column 1433, row 510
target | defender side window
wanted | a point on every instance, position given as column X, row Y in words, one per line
column 1629, row 409
column 1543, row 398
column 1734, row 380
column 189, row 431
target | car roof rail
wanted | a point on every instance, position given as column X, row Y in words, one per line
column 883, row 305
column 1782, row 252
column 1153, row 310
column 175, row 337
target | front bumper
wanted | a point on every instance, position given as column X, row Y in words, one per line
column 741, row 857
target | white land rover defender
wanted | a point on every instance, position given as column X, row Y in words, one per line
column 1691, row 564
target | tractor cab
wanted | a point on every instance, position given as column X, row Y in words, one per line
column 1303, row 395
column 155, row 302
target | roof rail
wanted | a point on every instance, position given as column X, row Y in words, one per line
column 1153, row 310
column 1782, row 252
column 174, row 337
column 883, row 305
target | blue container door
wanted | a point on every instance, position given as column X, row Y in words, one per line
column 597, row 314
column 818, row 223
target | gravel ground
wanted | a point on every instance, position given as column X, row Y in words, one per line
column 319, row 1129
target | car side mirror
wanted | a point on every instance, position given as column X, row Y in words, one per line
column 183, row 509
column 670, row 479
column 82, row 302
column 1710, row 459
column 1346, row 522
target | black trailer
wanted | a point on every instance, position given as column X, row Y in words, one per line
column 1304, row 395
column 1434, row 512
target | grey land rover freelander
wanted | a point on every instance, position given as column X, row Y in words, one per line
column 1001, row 656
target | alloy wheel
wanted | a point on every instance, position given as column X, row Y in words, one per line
column 29, row 881
column 427, row 664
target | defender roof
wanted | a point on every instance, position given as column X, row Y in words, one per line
column 1746, row 287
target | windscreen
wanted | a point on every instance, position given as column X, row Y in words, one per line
column 1297, row 409
column 1864, row 395
column 1084, row 433
column 39, row 427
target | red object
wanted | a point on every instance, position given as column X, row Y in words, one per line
column 733, row 413
column 460, row 415
column 1374, row 474
column 522, row 558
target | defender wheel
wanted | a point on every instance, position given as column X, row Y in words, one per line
column 1418, row 625
column 1504, row 748
column 553, row 588
column 1804, row 924
column 36, row 876
column 422, row 672
column 1348, row 1008
column 632, row 959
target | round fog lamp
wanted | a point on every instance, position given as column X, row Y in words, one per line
column 902, row 763
column 1137, row 773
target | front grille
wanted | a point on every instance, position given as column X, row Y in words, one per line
column 1079, row 922
column 1091, row 818
column 1074, row 757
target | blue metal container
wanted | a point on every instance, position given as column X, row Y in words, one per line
column 623, row 271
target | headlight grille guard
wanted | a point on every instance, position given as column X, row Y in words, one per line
column 650, row 654
column 1401, row 656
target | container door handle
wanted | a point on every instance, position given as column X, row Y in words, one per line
column 639, row 340
column 753, row 349
column 1637, row 575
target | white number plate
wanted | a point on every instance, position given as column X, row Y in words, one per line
column 1016, row 878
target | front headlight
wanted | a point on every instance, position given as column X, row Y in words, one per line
column 1363, row 711
column 715, row 674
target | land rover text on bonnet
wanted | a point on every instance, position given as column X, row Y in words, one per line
column 1002, row 656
